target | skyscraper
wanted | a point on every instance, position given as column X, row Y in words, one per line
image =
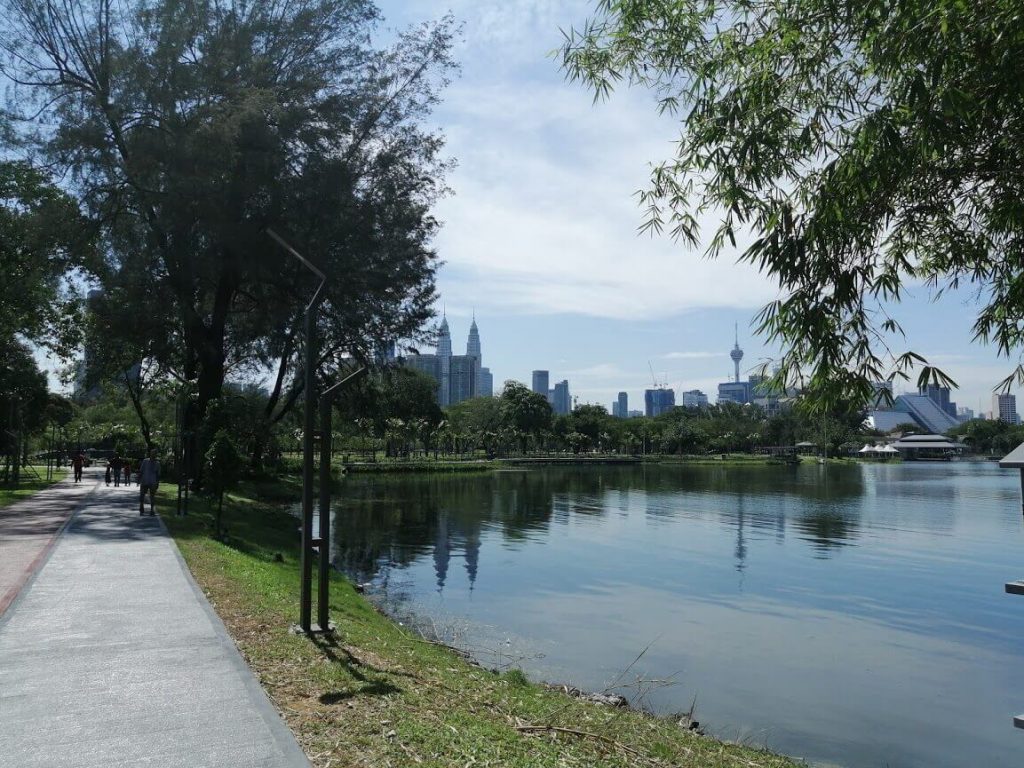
column 623, row 403
column 540, row 383
column 484, row 381
column 463, row 374
column 561, row 403
column 1004, row 408
column 444, row 357
column 658, row 401
column 694, row 398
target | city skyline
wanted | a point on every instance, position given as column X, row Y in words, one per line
column 541, row 231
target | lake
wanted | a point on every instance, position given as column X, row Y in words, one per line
column 851, row 615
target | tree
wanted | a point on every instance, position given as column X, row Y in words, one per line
column 42, row 236
column 223, row 471
column 23, row 404
column 188, row 129
column 528, row 412
column 852, row 146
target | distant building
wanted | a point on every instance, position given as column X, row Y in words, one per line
column 464, row 372
column 694, row 398
column 964, row 414
column 658, row 401
column 734, row 392
column 940, row 396
column 484, row 384
column 561, row 403
column 635, row 414
column 622, row 406
column 1004, row 408
column 916, row 409
column 540, row 383
column 458, row 377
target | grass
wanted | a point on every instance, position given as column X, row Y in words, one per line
column 29, row 485
column 381, row 696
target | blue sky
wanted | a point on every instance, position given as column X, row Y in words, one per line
column 541, row 233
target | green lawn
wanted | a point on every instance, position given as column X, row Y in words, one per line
column 29, row 485
column 380, row 696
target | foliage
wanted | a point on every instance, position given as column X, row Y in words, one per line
column 224, row 464
column 846, row 149
column 189, row 129
column 23, row 404
column 526, row 412
column 42, row 237
column 989, row 437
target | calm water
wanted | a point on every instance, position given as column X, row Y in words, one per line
column 851, row 615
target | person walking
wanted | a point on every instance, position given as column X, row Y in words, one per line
column 108, row 473
column 149, row 479
column 126, row 471
column 115, row 465
column 77, row 463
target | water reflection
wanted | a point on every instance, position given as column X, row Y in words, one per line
column 865, row 593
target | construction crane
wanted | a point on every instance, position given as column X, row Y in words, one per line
column 654, row 379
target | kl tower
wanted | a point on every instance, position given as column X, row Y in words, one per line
column 737, row 353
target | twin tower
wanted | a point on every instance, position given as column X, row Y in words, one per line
column 458, row 377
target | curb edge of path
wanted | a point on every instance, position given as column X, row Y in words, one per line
column 10, row 600
column 282, row 734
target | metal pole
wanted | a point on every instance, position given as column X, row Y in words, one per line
column 326, row 448
column 305, row 559
column 324, row 547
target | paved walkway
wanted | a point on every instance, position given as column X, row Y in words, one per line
column 112, row 657
column 27, row 528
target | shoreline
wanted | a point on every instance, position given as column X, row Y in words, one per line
column 376, row 693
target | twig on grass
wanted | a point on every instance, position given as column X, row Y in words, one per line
column 576, row 732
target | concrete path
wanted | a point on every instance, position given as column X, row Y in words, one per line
column 28, row 528
column 112, row 657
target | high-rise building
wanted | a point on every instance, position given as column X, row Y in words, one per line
column 561, row 403
column 940, row 396
column 444, row 357
column 694, row 398
column 734, row 392
column 965, row 414
column 463, row 375
column 1004, row 408
column 484, row 381
column 658, row 401
column 623, row 405
column 540, row 383
column 459, row 377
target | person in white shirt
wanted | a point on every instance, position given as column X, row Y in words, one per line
column 149, row 479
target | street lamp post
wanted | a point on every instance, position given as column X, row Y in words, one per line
column 309, row 426
column 324, row 545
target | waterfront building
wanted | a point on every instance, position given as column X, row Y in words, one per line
column 916, row 409
column 658, row 401
column 1004, row 408
column 694, row 398
column 561, row 403
column 940, row 395
column 541, row 384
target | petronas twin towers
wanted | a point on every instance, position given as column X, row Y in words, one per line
column 459, row 377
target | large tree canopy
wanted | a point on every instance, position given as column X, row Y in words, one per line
column 858, row 144
column 42, row 237
column 188, row 129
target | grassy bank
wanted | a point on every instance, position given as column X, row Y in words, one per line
column 379, row 696
column 29, row 485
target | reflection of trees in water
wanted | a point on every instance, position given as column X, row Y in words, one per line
column 386, row 522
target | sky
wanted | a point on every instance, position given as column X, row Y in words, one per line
column 541, row 237
column 541, row 240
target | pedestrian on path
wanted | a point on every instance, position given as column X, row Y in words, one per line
column 77, row 463
column 115, row 465
column 149, row 479
column 109, row 472
column 126, row 471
